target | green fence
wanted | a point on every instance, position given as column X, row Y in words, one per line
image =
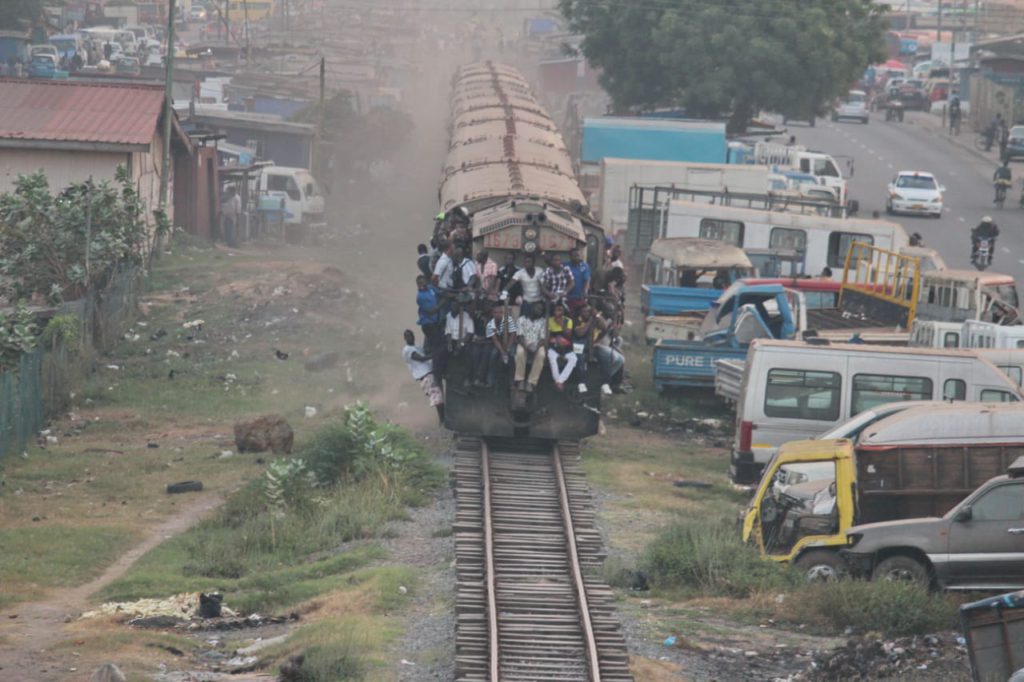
column 41, row 386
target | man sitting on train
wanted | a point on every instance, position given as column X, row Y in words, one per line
column 529, row 279
column 505, row 274
column 561, row 357
column 558, row 280
column 501, row 331
column 609, row 358
column 533, row 337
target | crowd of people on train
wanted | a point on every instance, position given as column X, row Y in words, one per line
column 513, row 319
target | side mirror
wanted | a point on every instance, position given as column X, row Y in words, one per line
column 963, row 515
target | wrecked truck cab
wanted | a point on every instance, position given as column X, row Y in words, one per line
column 788, row 526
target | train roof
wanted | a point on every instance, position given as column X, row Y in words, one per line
column 516, row 104
column 507, row 149
column 484, row 130
column 509, row 179
column 501, row 113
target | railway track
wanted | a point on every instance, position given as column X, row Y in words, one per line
column 530, row 604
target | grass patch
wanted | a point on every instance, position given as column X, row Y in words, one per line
column 42, row 556
column 707, row 559
column 276, row 542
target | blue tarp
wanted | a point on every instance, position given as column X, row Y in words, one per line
column 653, row 140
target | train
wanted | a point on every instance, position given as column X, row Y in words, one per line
column 509, row 174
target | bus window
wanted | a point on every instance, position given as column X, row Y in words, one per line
column 839, row 244
column 951, row 340
column 728, row 231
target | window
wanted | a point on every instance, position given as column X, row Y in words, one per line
column 954, row 389
column 817, row 300
column 991, row 395
column 825, row 168
column 728, row 231
column 1004, row 503
column 284, row 183
column 839, row 244
column 1012, row 371
column 870, row 390
column 916, row 182
column 802, row 394
column 951, row 340
column 787, row 238
column 1020, row 343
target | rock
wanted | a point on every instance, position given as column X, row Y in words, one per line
column 108, row 672
column 310, row 412
column 269, row 432
column 321, row 362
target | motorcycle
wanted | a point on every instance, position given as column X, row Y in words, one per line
column 894, row 111
column 1001, row 187
column 982, row 257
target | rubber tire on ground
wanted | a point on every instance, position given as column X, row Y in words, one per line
column 816, row 564
column 184, row 487
column 908, row 569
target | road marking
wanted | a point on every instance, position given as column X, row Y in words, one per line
column 890, row 166
column 962, row 219
column 1006, row 250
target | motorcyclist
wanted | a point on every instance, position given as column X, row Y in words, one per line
column 1002, row 177
column 916, row 239
column 986, row 229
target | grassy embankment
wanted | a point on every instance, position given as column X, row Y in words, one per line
column 160, row 410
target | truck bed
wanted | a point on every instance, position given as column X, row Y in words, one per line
column 836, row 325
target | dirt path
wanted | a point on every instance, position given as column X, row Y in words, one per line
column 29, row 630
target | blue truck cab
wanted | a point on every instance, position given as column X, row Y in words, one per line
column 682, row 279
column 742, row 313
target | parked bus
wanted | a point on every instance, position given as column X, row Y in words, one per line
column 823, row 241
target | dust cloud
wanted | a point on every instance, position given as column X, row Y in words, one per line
column 382, row 216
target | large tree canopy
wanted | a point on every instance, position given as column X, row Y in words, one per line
column 728, row 57
column 19, row 14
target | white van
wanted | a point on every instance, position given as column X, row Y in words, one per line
column 824, row 241
column 793, row 391
column 296, row 191
column 933, row 334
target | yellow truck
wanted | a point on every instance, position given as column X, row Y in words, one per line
column 917, row 463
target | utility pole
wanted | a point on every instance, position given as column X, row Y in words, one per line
column 165, row 161
column 938, row 29
column 322, row 113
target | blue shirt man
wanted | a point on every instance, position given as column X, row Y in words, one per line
column 426, row 302
column 577, row 295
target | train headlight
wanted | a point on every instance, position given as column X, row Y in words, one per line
column 530, row 233
column 530, row 247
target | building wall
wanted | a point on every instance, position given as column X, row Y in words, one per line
column 61, row 167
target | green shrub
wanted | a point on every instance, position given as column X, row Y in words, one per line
column 895, row 609
column 709, row 559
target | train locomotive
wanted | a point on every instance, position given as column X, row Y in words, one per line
column 509, row 175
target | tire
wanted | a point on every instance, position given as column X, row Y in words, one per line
column 888, row 209
column 864, row 120
column 821, row 565
column 903, row 568
column 184, row 487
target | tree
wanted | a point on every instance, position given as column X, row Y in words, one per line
column 730, row 58
column 57, row 247
column 19, row 14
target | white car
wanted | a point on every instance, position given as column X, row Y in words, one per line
column 854, row 105
column 915, row 192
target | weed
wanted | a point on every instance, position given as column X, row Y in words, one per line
column 892, row 608
column 707, row 558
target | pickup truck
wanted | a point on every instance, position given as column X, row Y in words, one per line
column 745, row 312
column 740, row 315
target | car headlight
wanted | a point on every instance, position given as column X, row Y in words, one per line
column 894, row 195
column 853, row 538
column 937, row 200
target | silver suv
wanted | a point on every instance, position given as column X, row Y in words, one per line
column 854, row 105
column 977, row 545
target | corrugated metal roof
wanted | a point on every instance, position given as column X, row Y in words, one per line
column 61, row 111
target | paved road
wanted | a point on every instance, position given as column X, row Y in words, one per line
column 880, row 149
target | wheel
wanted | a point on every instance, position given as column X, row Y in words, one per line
column 903, row 568
column 888, row 208
column 835, row 118
column 812, row 121
column 864, row 120
column 821, row 565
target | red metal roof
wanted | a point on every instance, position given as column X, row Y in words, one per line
column 63, row 111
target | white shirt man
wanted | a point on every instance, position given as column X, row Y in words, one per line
column 453, row 330
column 443, row 270
column 530, row 284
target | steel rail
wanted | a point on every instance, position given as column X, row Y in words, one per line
column 593, row 661
column 492, row 599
